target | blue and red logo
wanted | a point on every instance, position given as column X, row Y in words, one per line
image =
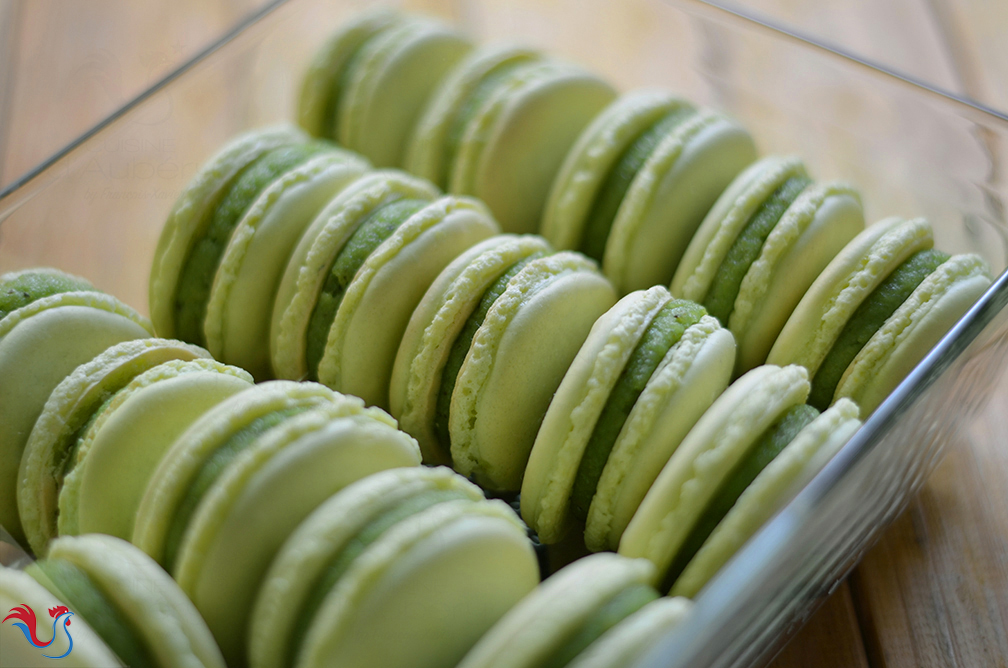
column 26, row 622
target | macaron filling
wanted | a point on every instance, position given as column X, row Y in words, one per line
column 70, row 457
column 87, row 599
column 30, row 286
column 616, row 184
column 460, row 348
column 357, row 545
column 213, row 467
column 664, row 331
column 621, row 606
column 724, row 289
column 767, row 447
column 496, row 79
column 197, row 275
column 370, row 234
column 868, row 318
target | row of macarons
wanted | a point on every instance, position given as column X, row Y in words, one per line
column 297, row 521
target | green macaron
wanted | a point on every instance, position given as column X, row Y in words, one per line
column 648, row 370
column 563, row 618
column 500, row 128
column 51, row 451
column 371, row 81
column 235, row 485
column 135, row 607
column 639, row 180
column 359, row 272
column 472, row 378
column 416, row 554
column 876, row 310
column 767, row 238
column 630, row 639
column 21, row 597
column 124, row 440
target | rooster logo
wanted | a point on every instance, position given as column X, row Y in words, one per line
column 61, row 618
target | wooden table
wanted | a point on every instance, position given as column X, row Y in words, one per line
column 934, row 591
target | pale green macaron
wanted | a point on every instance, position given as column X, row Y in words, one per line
column 406, row 568
column 562, row 620
column 236, row 484
column 358, row 273
column 500, row 126
column 486, row 349
column 21, row 596
column 134, row 606
column 370, row 82
column 634, row 636
column 218, row 265
column 51, row 451
column 124, row 440
column 876, row 310
column 759, row 418
column 648, row 370
column 639, row 180
column 50, row 323
column 767, row 238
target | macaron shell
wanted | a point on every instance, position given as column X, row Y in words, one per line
column 64, row 330
column 123, row 447
column 716, row 235
column 311, row 262
column 192, row 211
column 669, row 197
column 790, row 470
column 170, row 625
column 319, row 539
column 913, row 330
column 847, row 280
column 17, row 588
column 241, row 523
column 245, row 286
column 182, row 462
column 397, row 73
column 508, row 377
column 328, row 65
column 535, row 626
column 426, row 154
column 575, row 409
column 548, row 114
column 379, row 302
column 693, row 374
column 813, row 230
column 592, row 158
column 627, row 642
column 460, row 565
column 435, row 325
column 67, row 410
column 703, row 460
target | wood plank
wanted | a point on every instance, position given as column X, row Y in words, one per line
column 10, row 24
column 831, row 638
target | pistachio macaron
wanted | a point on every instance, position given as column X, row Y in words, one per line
column 876, row 310
column 646, row 373
column 486, row 349
column 51, row 323
column 134, row 606
column 500, row 126
column 416, row 555
column 226, row 243
column 640, row 178
column 358, row 273
column 369, row 83
column 234, row 486
column 52, row 448
column 20, row 597
column 767, row 238
column 760, row 415
column 566, row 615
column 124, row 440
